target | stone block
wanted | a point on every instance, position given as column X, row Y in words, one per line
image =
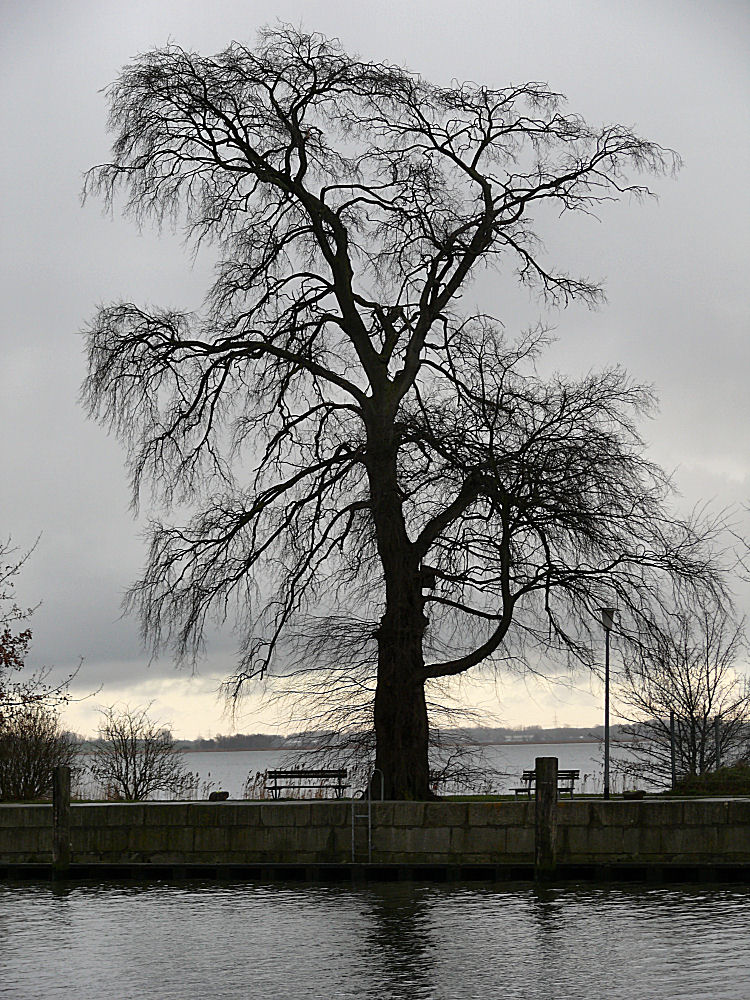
column 339, row 844
column 88, row 815
column 632, row 842
column 211, row 839
column 435, row 840
column 99, row 841
column 663, row 812
column 516, row 813
column 573, row 813
column 227, row 813
column 386, row 841
column 257, row 844
column 459, row 838
column 733, row 842
column 449, row 814
column 282, row 843
column 519, row 840
column 663, row 844
column 413, row 842
column 739, row 812
column 246, row 838
column 336, row 813
column 382, row 812
column 622, row 813
column 477, row 814
column 301, row 812
column 652, row 844
column 165, row 814
column 409, row 814
column 147, row 840
column 595, row 843
column 128, row 814
column 276, row 814
column 705, row 813
column 23, row 816
column 181, row 839
column 693, row 843
column 247, row 814
column 23, row 840
column 315, row 839
column 491, row 842
column 205, row 814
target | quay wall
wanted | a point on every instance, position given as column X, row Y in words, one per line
column 690, row 832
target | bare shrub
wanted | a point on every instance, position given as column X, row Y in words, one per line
column 136, row 756
column 685, row 667
column 32, row 744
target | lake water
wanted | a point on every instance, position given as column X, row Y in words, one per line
column 400, row 941
column 504, row 763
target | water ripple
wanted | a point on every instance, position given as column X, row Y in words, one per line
column 385, row 942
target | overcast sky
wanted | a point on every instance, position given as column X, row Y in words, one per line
column 676, row 276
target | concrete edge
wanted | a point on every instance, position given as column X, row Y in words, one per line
column 335, row 872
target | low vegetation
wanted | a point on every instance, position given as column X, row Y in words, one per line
column 32, row 744
column 734, row 780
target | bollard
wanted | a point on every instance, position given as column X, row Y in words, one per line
column 61, row 818
column 545, row 818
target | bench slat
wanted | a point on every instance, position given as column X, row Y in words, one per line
column 566, row 779
column 279, row 780
column 301, row 772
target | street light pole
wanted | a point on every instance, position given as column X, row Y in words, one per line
column 608, row 620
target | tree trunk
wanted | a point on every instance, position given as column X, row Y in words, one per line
column 401, row 725
column 400, row 711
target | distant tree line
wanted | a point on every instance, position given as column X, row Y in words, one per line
column 254, row 741
column 474, row 734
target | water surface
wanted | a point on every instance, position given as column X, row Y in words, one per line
column 503, row 763
column 390, row 942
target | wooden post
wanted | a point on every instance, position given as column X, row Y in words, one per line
column 545, row 817
column 672, row 748
column 61, row 818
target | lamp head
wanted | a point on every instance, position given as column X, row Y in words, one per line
column 608, row 618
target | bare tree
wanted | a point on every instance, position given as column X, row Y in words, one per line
column 32, row 744
column 685, row 668
column 355, row 442
column 135, row 756
column 331, row 702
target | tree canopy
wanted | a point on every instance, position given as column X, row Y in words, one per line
column 368, row 459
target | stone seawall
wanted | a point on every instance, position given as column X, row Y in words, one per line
column 689, row 832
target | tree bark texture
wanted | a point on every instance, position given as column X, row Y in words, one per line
column 61, row 818
column 401, row 724
column 400, row 709
column 545, row 817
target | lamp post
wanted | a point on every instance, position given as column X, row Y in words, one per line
column 608, row 621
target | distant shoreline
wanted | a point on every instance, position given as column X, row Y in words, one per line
column 502, row 743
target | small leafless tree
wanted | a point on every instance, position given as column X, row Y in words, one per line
column 685, row 667
column 358, row 443
column 32, row 744
column 135, row 756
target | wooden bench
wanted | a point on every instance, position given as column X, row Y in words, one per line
column 565, row 783
column 300, row 777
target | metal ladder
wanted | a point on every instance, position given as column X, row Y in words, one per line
column 358, row 813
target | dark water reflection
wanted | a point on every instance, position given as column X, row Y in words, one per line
column 390, row 942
